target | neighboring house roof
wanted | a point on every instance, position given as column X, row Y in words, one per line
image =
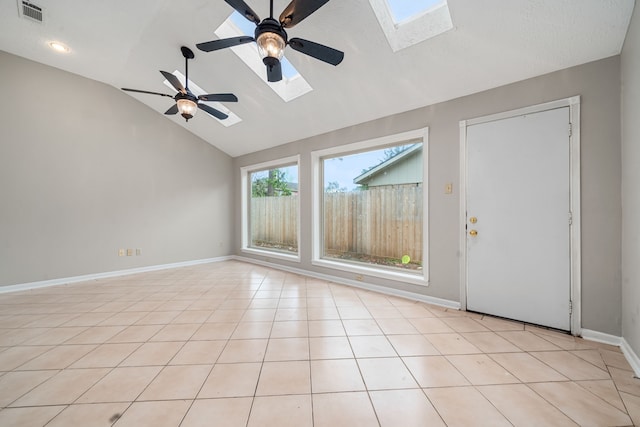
column 387, row 164
column 293, row 186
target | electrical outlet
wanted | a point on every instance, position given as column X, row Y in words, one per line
column 120, row 252
column 138, row 252
column 129, row 252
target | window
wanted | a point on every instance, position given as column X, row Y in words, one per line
column 370, row 207
column 271, row 208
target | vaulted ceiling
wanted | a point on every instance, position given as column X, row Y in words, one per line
column 124, row 43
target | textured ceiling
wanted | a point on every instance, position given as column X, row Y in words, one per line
column 492, row 43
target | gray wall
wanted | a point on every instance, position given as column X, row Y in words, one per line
column 599, row 85
column 631, row 185
column 85, row 170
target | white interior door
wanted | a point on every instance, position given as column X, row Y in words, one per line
column 518, row 218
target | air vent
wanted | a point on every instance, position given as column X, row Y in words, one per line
column 30, row 11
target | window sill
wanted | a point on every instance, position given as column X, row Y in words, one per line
column 271, row 254
column 365, row 270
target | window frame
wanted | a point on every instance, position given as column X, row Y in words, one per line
column 245, row 191
column 317, row 259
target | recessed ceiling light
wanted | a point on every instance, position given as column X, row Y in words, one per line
column 59, row 47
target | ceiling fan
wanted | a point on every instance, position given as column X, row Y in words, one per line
column 186, row 102
column 271, row 37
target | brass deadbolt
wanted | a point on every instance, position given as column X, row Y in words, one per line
column 473, row 220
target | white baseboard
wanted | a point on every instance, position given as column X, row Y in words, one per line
column 367, row 286
column 601, row 337
column 86, row 277
column 631, row 356
column 628, row 352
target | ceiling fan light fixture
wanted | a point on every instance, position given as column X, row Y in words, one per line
column 271, row 45
column 271, row 39
column 187, row 108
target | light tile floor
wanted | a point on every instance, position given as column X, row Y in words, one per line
column 234, row 344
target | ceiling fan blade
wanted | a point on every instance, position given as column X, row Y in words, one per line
column 172, row 110
column 224, row 43
column 146, row 91
column 318, row 51
column 243, row 9
column 274, row 71
column 222, row 97
column 215, row 113
column 299, row 10
column 174, row 81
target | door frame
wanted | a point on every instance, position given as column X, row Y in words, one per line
column 574, row 176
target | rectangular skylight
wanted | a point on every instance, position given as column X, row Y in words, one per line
column 292, row 84
column 409, row 22
column 197, row 91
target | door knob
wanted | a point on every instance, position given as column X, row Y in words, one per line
column 473, row 233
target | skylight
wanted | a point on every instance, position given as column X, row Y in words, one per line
column 403, row 10
column 197, row 91
column 292, row 84
column 409, row 22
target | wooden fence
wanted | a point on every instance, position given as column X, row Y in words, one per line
column 274, row 222
column 381, row 222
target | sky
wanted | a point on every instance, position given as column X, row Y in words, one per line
column 403, row 9
column 338, row 169
column 344, row 169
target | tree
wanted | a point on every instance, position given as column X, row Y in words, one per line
column 275, row 184
column 334, row 187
